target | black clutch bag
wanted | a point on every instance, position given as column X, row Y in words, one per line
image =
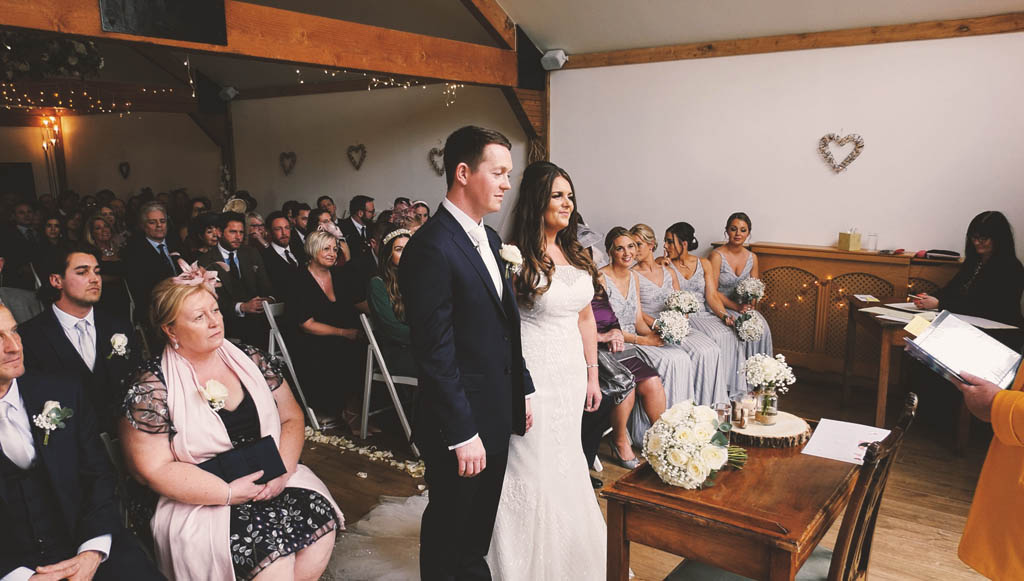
column 246, row 459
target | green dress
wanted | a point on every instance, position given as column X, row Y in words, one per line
column 392, row 333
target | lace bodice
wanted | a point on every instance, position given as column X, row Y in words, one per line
column 624, row 306
column 695, row 285
column 652, row 296
column 570, row 291
column 727, row 279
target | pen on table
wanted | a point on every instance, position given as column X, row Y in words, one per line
column 915, row 297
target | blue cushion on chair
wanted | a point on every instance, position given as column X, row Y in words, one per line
column 815, row 569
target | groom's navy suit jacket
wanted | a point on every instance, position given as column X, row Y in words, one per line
column 465, row 339
column 75, row 463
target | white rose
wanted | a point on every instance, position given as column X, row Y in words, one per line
column 714, row 456
column 703, row 432
column 50, row 406
column 673, row 415
column 215, row 393
column 118, row 341
column 655, row 442
column 697, row 469
column 705, row 413
column 685, row 434
column 510, row 254
column 677, row 457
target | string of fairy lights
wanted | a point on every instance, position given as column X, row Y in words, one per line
column 839, row 302
column 449, row 93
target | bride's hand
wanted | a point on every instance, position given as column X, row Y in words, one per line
column 593, row 396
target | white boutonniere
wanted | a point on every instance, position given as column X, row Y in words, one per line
column 513, row 259
column 215, row 393
column 51, row 418
column 118, row 345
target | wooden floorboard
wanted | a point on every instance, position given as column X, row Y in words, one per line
column 920, row 520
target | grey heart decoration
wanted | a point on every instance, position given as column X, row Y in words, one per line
column 124, row 168
column 826, row 153
column 287, row 160
column 436, row 157
column 357, row 162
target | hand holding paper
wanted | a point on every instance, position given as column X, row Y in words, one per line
column 978, row 395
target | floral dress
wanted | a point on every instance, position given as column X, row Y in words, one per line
column 261, row 532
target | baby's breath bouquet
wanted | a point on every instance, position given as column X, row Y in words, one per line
column 770, row 377
column 750, row 290
column 685, row 302
column 672, row 326
column 687, row 446
column 749, row 327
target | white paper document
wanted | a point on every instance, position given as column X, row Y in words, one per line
column 843, row 441
column 866, row 298
column 889, row 314
column 951, row 345
column 982, row 323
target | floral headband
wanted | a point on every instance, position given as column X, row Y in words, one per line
column 395, row 234
column 194, row 275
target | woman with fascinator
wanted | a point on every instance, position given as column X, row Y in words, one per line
column 202, row 398
column 387, row 307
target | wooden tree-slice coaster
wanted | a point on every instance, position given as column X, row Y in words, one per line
column 788, row 431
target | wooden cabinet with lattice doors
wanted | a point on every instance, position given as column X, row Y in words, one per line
column 806, row 298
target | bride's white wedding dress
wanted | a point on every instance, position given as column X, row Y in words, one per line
column 549, row 525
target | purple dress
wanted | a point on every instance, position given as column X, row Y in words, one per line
column 606, row 321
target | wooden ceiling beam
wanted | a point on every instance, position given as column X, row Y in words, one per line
column 273, row 34
column 932, row 30
column 493, row 18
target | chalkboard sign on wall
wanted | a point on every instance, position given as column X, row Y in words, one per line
column 190, row 20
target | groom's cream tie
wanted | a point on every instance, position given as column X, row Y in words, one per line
column 479, row 235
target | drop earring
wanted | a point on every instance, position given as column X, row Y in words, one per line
column 174, row 344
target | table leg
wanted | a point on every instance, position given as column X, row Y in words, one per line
column 618, row 545
column 883, row 377
column 783, row 567
column 851, row 334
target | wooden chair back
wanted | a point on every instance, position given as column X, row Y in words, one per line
column 853, row 545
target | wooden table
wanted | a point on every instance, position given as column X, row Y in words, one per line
column 890, row 335
column 762, row 522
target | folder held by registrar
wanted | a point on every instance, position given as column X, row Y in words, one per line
column 950, row 345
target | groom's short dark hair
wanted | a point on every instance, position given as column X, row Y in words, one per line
column 466, row 145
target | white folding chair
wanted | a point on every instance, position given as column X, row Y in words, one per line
column 373, row 355
column 274, row 310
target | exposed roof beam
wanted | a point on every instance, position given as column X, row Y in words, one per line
column 494, row 19
column 267, row 33
column 935, row 29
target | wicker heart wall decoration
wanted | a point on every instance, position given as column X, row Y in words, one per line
column 436, row 157
column 288, row 159
column 124, row 168
column 356, row 155
column 826, row 153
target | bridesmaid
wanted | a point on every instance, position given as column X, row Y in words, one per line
column 655, row 283
column 695, row 275
column 732, row 264
column 673, row 365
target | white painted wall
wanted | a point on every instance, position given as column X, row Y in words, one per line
column 166, row 151
column 24, row 145
column 398, row 127
column 943, row 124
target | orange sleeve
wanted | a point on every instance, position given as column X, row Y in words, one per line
column 1008, row 417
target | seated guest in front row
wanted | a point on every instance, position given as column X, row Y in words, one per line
column 387, row 308
column 324, row 322
column 283, row 263
column 244, row 282
column 991, row 280
column 204, row 527
column 320, row 220
column 95, row 345
column 149, row 256
column 23, row 303
column 57, row 504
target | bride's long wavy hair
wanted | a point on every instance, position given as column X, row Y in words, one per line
column 528, row 233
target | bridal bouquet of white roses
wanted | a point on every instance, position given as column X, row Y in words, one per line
column 749, row 326
column 685, row 302
column 672, row 326
column 750, row 290
column 687, row 446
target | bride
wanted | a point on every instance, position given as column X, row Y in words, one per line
column 549, row 525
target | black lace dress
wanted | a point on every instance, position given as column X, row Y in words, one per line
column 261, row 532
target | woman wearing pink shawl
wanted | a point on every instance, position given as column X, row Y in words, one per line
column 202, row 397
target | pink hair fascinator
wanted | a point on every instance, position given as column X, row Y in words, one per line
column 331, row 228
column 195, row 275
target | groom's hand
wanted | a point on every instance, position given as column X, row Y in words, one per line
column 472, row 458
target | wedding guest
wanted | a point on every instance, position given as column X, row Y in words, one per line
column 203, row 236
column 655, row 284
column 98, row 346
column 245, row 284
column 732, row 264
column 118, row 238
column 420, row 213
column 386, row 306
column 990, row 281
column 301, row 221
column 323, row 319
column 357, row 233
column 996, row 520
column 21, row 244
column 204, row 527
column 54, row 232
column 23, row 303
column 255, row 231
column 149, row 256
column 283, row 262
column 320, row 220
column 711, row 319
column 73, row 226
column 67, row 201
column 673, row 364
column 59, row 510
column 197, row 207
column 88, row 205
column 47, row 203
column 327, row 203
column 100, row 239
column 401, row 204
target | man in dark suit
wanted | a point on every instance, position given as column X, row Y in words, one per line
column 150, row 256
column 57, row 504
column 356, row 228
column 23, row 303
column 462, row 313
column 98, row 347
column 282, row 260
column 244, row 283
column 21, row 245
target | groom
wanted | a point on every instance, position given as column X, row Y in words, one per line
column 474, row 384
